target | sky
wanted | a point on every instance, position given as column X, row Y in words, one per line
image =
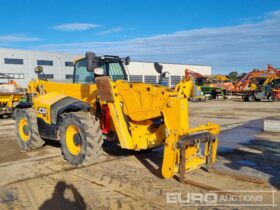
column 229, row 35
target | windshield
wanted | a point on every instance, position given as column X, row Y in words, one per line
column 260, row 80
column 81, row 73
column 114, row 69
column 275, row 83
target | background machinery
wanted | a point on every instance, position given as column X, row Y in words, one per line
column 197, row 81
column 259, row 84
column 101, row 104
column 219, row 81
column 10, row 95
column 217, row 85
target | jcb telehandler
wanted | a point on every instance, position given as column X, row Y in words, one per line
column 101, row 101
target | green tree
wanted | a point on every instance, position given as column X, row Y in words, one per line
column 240, row 76
column 233, row 75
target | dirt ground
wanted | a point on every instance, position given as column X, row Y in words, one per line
column 41, row 179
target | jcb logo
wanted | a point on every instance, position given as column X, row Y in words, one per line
column 42, row 110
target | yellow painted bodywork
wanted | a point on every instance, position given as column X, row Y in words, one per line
column 188, row 89
column 184, row 88
column 7, row 101
column 270, row 78
column 45, row 101
column 171, row 153
column 143, row 116
column 10, row 95
column 83, row 92
column 46, row 93
column 134, row 103
column 253, row 87
column 218, row 77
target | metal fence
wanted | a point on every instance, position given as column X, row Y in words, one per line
column 172, row 81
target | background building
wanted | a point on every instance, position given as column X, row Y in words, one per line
column 19, row 65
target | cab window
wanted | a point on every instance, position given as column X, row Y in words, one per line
column 275, row 83
column 116, row 71
column 81, row 73
column 113, row 69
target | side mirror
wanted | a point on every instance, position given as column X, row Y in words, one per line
column 99, row 71
column 38, row 69
column 127, row 60
column 158, row 68
column 91, row 61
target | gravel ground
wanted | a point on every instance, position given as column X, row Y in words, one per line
column 41, row 179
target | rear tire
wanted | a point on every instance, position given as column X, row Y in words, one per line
column 251, row 98
column 80, row 138
column 27, row 130
column 271, row 98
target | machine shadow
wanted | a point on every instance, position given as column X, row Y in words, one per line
column 266, row 160
column 52, row 143
column 151, row 158
column 58, row 200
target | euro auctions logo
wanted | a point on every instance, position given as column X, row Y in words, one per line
column 222, row 198
column 189, row 198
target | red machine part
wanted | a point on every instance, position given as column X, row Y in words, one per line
column 105, row 119
column 277, row 94
column 189, row 73
column 244, row 82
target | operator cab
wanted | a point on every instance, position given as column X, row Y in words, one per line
column 88, row 68
column 199, row 81
column 275, row 83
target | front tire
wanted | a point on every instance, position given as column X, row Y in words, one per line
column 251, row 98
column 27, row 130
column 80, row 137
column 271, row 98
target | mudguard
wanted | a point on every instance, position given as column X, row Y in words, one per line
column 66, row 104
column 49, row 108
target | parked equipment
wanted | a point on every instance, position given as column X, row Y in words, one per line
column 100, row 101
column 10, row 95
column 254, row 78
column 217, row 86
column 197, row 81
column 259, row 84
column 219, row 81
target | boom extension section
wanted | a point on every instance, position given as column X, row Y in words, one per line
column 146, row 116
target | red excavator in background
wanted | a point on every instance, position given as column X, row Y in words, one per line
column 197, row 78
column 255, row 77
column 259, row 84
column 198, row 81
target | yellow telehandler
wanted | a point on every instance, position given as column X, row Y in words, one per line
column 100, row 104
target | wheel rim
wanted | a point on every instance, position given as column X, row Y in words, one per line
column 73, row 140
column 23, row 129
column 251, row 98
